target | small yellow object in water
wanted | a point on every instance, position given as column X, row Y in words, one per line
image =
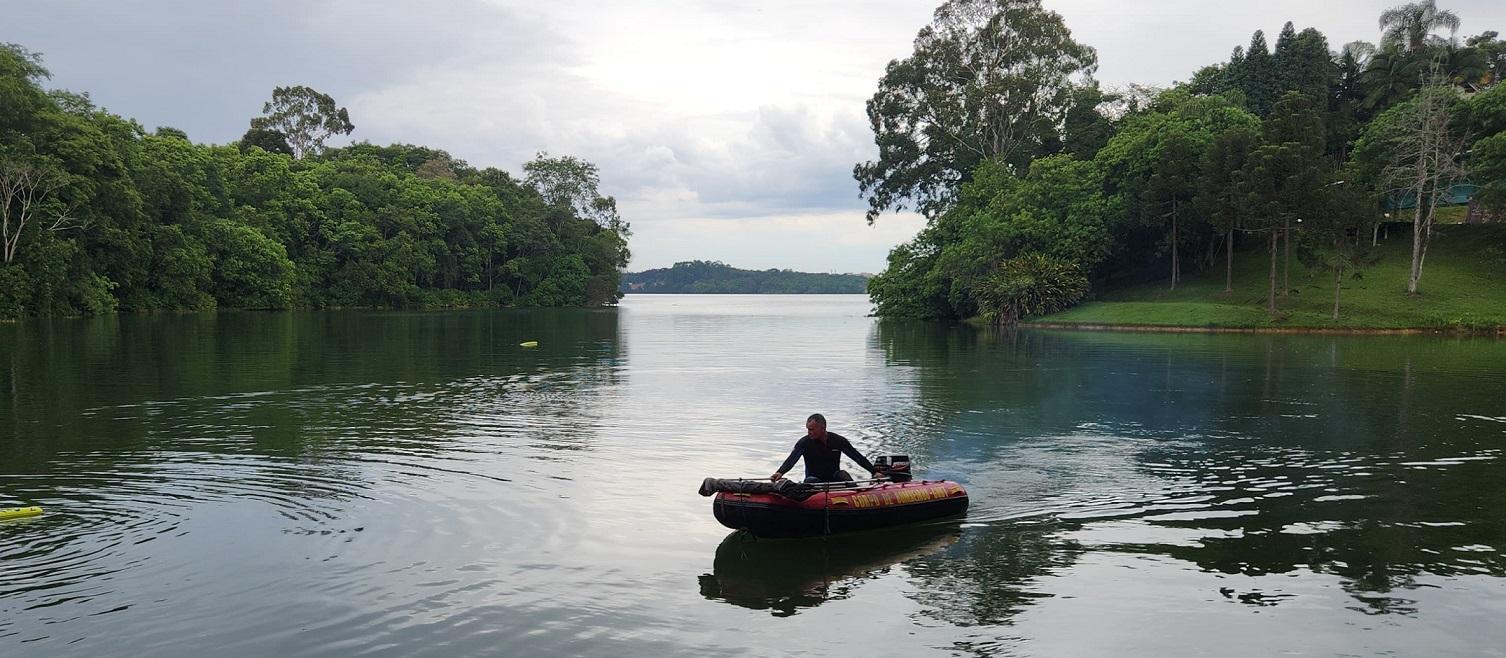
column 7, row 513
column 531, row 343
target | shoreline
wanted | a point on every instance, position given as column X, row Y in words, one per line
column 1494, row 332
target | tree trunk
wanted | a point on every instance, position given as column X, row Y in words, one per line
column 1338, row 286
column 1427, row 237
column 1375, row 235
column 1176, row 267
column 1286, row 267
column 1417, row 238
column 1271, row 299
column 1229, row 268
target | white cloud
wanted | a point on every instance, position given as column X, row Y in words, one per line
column 815, row 242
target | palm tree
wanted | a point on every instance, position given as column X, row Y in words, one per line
column 1464, row 65
column 1411, row 25
column 1352, row 62
column 1389, row 76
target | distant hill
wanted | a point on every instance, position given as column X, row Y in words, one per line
column 712, row 277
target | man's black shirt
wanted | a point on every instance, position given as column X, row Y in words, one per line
column 822, row 459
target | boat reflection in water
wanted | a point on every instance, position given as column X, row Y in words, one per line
column 784, row 576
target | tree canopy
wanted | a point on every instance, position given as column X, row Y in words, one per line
column 1288, row 149
column 126, row 219
column 989, row 80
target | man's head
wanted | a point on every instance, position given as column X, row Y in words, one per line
column 815, row 426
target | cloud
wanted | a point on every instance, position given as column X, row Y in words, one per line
column 816, row 242
column 207, row 67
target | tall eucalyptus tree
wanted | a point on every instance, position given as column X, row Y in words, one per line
column 988, row 80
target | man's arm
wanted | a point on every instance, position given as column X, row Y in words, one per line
column 856, row 456
column 789, row 462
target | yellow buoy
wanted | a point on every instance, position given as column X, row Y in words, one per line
column 531, row 343
column 7, row 513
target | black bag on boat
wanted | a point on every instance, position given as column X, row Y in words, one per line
column 796, row 491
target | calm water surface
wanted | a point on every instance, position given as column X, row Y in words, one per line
column 415, row 484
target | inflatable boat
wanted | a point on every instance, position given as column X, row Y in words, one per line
column 785, row 509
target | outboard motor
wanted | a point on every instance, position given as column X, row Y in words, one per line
column 895, row 467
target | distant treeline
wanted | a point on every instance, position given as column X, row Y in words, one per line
column 98, row 214
column 712, row 277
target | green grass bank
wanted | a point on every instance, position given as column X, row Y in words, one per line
column 1463, row 289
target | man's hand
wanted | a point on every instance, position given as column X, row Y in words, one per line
column 776, row 476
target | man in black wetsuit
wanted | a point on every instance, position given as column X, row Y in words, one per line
column 823, row 452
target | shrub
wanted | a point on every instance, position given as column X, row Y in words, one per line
column 1028, row 285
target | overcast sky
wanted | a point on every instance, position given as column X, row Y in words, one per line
column 726, row 129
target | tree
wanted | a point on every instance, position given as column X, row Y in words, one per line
column 1234, row 73
column 1346, row 213
column 1058, row 210
column 1418, row 156
column 250, row 270
column 1296, row 123
column 1485, row 115
column 1219, row 188
column 29, row 192
column 1303, row 64
column 1278, row 186
column 267, row 139
column 1352, row 60
column 1171, row 189
column 1168, row 139
column 1346, row 109
column 22, row 101
column 1257, row 76
column 305, row 118
column 571, row 183
column 1494, row 51
column 1208, row 80
column 988, row 80
column 178, row 225
column 910, row 287
column 1391, row 74
column 1085, row 129
column 1411, row 26
column 1461, row 67
column 1281, row 180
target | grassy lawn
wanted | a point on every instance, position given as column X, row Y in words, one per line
column 1463, row 287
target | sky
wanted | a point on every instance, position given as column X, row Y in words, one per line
column 727, row 130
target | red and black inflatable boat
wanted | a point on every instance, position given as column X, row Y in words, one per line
column 835, row 508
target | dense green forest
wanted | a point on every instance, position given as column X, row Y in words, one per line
column 711, row 277
column 1040, row 187
column 100, row 215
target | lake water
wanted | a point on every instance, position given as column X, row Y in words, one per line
column 416, row 484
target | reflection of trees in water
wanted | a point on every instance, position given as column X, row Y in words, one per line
column 163, row 416
column 1376, row 523
column 319, row 388
column 1353, row 450
column 787, row 575
column 989, row 576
